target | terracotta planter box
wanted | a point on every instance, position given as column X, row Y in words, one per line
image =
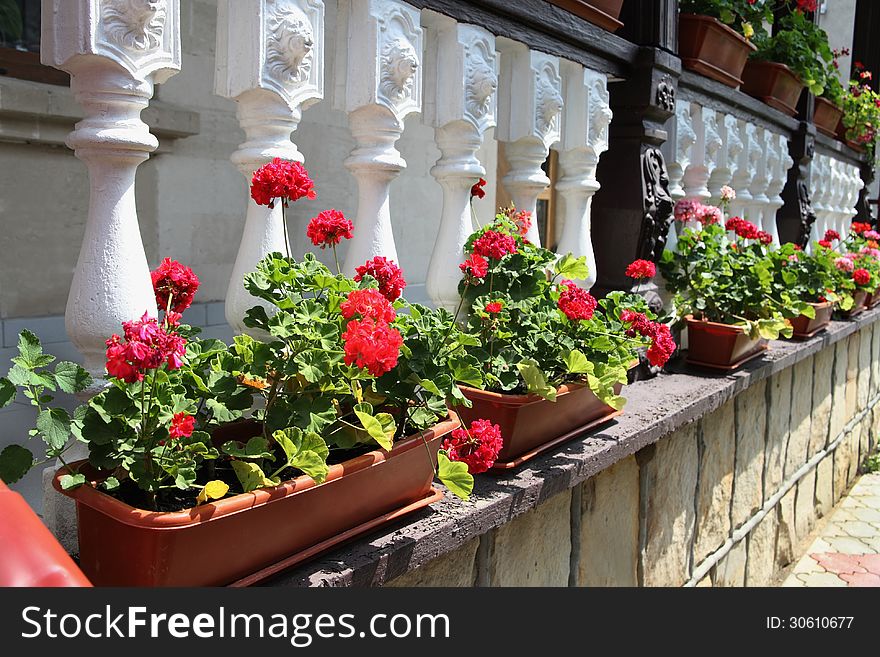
column 872, row 300
column 721, row 346
column 774, row 84
column 805, row 327
column 709, row 47
column 603, row 13
column 826, row 117
column 530, row 424
column 859, row 304
column 248, row 537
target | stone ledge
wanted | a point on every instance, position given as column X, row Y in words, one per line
column 655, row 409
column 37, row 113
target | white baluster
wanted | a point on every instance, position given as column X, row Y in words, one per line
column 704, row 153
column 529, row 109
column 778, row 178
column 114, row 56
column 584, row 139
column 270, row 60
column 746, row 167
column 728, row 154
column 758, row 187
column 855, row 190
column 461, row 78
column 837, row 192
column 685, row 140
column 379, row 83
column 767, row 220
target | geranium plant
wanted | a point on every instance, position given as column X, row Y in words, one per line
column 801, row 45
column 748, row 17
column 810, row 277
column 861, row 110
column 724, row 274
column 538, row 328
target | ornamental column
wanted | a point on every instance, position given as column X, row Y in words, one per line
column 746, row 168
column 728, row 156
column 461, row 78
column 584, row 139
column 379, row 83
column 704, row 154
column 115, row 51
column 781, row 163
column 270, row 60
column 529, row 110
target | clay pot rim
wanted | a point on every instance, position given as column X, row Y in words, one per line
column 705, row 322
column 820, row 304
column 511, row 399
column 129, row 515
column 703, row 18
column 825, row 101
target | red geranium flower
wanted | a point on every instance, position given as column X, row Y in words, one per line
column 764, row 237
column 371, row 345
column 388, row 274
column 859, row 227
column 146, row 346
column 641, row 269
column 494, row 307
column 575, row 302
column 662, row 343
column 328, row 228
column 368, row 303
column 862, row 277
column 476, row 267
column 493, row 244
column 477, row 448
column 281, row 179
column 182, row 425
column 477, row 189
column 172, row 280
column 824, row 243
column 831, row 235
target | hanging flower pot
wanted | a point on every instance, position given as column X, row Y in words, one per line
column 827, row 116
column 774, row 84
column 721, row 346
column 603, row 13
column 531, row 424
column 248, row 537
column 804, row 327
column 711, row 48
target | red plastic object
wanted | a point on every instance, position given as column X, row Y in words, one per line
column 31, row 555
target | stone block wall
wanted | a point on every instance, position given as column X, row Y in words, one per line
column 723, row 500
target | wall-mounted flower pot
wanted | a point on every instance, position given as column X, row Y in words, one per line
column 804, row 327
column 827, row 116
column 603, row 13
column 859, row 304
column 248, row 537
column 709, row 47
column 774, row 84
column 721, row 346
column 531, row 425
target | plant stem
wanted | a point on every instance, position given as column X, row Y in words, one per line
column 336, row 259
column 284, row 226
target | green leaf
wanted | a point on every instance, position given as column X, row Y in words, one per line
column 251, row 477
column 256, row 448
column 313, row 364
column 7, row 392
column 110, row 483
column 15, row 461
column 577, row 363
column 378, row 429
column 71, row 378
column 31, row 352
column 535, row 381
column 455, row 476
column 431, row 387
column 306, row 452
column 467, row 373
column 574, row 268
column 54, row 425
column 213, row 490
column 72, row 481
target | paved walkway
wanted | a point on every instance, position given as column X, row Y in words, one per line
column 847, row 552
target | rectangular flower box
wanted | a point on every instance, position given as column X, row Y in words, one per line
column 253, row 535
column 804, row 327
column 774, row 84
column 531, row 424
column 603, row 13
column 711, row 48
column 721, row 346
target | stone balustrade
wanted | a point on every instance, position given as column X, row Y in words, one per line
column 835, row 192
column 714, row 149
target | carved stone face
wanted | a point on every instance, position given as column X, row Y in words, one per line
column 289, row 48
column 482, row 84
column 399, row 66
column 549, row 105
column 135, row 24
